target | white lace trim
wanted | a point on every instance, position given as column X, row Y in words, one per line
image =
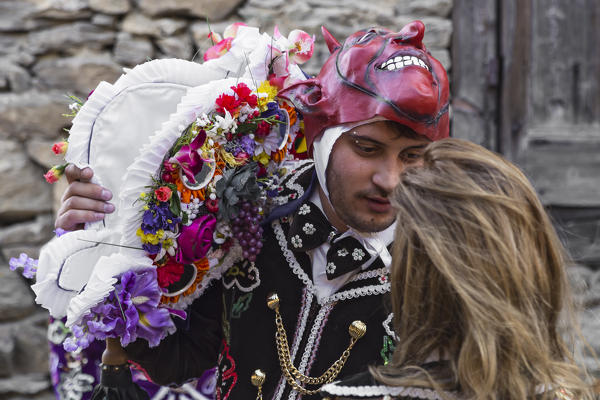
column 291, row 184
column 312, row 342
column 369, row 274
column 343, row 295
column 381, row 390
column 388, row 326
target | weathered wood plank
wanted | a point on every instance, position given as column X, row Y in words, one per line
column 474, row 71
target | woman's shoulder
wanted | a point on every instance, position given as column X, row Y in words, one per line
column 364, row 386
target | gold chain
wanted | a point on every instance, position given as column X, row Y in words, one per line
column 357, row 330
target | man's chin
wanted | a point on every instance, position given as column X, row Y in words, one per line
column 371, row 225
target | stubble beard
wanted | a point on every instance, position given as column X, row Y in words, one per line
column 344, row 210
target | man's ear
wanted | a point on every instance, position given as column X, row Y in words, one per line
column 332, row 42
column 303, row 95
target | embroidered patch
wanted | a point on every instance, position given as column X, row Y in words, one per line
column 296, row 241
column 342, row 253
column 244, row 276
column 387, row 349
column 226, row 374
column 358, row 254
column 304, row 209
column 330, row 268
column 309, row 228
column 241, row 305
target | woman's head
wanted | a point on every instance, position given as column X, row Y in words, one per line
column 478, row 274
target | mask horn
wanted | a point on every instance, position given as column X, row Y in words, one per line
column 332, row 42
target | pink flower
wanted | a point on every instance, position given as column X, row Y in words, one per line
column 222, row 45
column 54, row 173
column 60, row 147
column 189, row 159
column 212, row 205
column 303, row 46
column 195, row 239
column 163, row 193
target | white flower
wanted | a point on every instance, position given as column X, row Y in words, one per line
column 304, row 209
column 202, row 120
column 330, row 268
column 245, row 111
column 226, row 123
column 268, row 144
column 342, row 253
column 358, row 254
column 169, row 244
column 296, row 241
column 74, row 106
column 309, row 228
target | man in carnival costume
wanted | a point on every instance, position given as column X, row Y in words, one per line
column 310, row 309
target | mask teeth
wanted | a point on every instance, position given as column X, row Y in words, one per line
column 399, row 62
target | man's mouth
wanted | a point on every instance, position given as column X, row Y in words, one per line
column 399, row 62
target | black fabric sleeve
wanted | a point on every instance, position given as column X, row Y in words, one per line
column 192, row 349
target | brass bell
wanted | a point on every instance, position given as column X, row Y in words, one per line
column 273, row 301
column 357, row 329
column 258, row 378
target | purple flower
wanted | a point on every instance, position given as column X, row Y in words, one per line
column 159, row 217
column 247, row 144
column 28, row 264
column 60, row 231
column 152, row 248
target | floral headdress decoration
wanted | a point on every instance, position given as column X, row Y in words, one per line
column 202, row 210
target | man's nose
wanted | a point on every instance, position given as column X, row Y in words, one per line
column 411, row 34
column 388, row 176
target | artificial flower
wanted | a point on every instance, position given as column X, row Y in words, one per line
column 189, row 159
column 221, row 45
column 60, row 147
column 227, row 102
column 266, row 94
column 304, row 45
column 163, row 193
column 28, row 264
column 169, row 273
column 55, row 173
column 195, row 240
column 236, row 184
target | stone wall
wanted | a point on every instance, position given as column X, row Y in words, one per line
column 51, row 48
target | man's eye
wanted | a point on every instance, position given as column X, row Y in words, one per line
column 364, row 148
column 411, row 157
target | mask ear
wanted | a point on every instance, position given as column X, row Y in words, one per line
column 303, row 95
column 332, row 42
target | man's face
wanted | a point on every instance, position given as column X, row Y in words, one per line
column 363, row 169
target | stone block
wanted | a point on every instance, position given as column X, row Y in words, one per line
column 19, row 16
column 114, row 7
column 13, row 77
column 7, row 347
column 104, row 20
column 16, row 298
column 29, row 384
column 419, row 8
column 23, row 189
column 80, row 73
column 38, row 231
column 213, row 10
column 66, row 36
column 63, row 10
column 131, row 51
column 32, row 113
column 140, row 24
column 31, row 345
column 177, row 46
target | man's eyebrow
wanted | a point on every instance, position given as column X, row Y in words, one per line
column 356, row 136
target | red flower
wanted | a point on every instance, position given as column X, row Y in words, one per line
column 263, row 129
column 51, row 176
column 227, row 102
column 60, row 147
column 163, row 193
column 169, row 273
column 245, row 94
column 212, row 205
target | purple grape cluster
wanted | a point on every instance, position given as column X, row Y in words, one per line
column 247, row 231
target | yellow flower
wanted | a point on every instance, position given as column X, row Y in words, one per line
column 262, row 158
column 266, row 93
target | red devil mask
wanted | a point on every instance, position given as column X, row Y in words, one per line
column 376, row 73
